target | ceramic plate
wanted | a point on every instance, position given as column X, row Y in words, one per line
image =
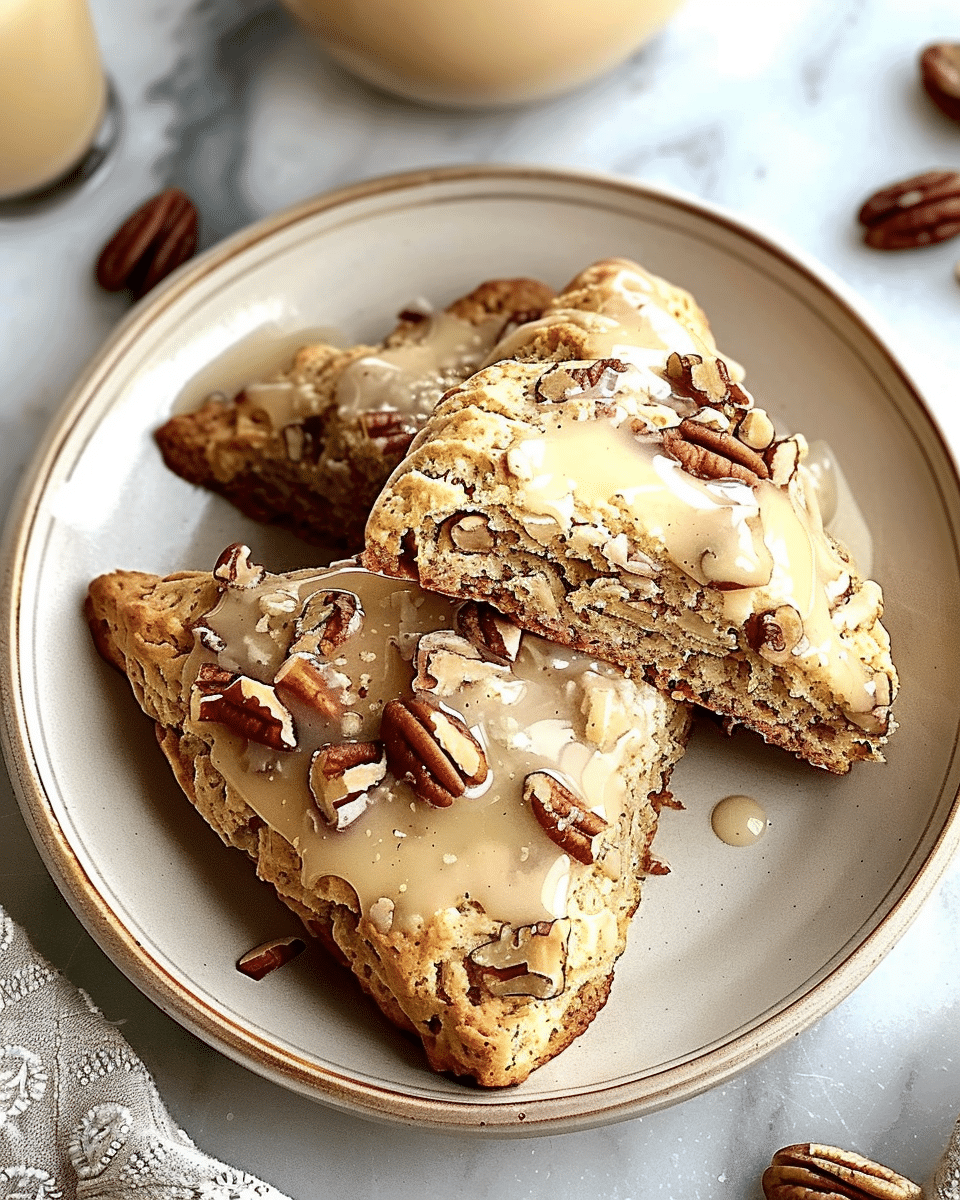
column 733, row 952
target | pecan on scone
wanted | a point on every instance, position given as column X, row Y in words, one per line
column 462, row 812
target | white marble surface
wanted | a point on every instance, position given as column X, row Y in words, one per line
column 788, row 115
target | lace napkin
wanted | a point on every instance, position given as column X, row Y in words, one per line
column 79, row 1114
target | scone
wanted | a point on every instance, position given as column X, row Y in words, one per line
column 309, row 449
column 461, row 811
column 636, row 505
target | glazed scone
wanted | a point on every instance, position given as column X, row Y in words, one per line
column 613, row 309
column 310, row 448
column 463, row 813
column 640, row 507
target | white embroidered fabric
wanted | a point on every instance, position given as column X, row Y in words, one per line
column 79, row 1113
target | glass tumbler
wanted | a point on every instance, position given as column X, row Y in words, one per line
column 55, row 103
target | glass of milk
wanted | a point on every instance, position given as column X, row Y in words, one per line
column 56, row 116
column 481, row 53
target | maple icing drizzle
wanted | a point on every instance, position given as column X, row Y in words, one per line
column 408, row 377
column 412, row 375
column 765, row 544
column 738, row 820
column 487, row 845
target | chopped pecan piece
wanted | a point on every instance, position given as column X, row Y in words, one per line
column 493, row 634
column 446, row 663
column 561, row 382
column 267, row 957
column 756, row 430
column 433, row 750
column 305, row 679
column 394, row 431
column 470, row 533
column 527, row 961
column 440, row 660
column 713, row 454
column 564, row 819
column 327, row 621
column 209, row 638
column 235, row 569
column 705, row 381
column 341, row 776
column 247, row 706
column 775, row 633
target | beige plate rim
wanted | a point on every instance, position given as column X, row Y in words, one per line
column 505, row 1113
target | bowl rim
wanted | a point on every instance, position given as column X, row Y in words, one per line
column 500, row 1114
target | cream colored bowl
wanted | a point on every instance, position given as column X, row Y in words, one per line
column 733, row 952
column 480, row 53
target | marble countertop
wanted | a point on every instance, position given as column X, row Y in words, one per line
column 787, row 115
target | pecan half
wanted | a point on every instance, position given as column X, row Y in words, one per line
column 341, row 776
column 756, row 429
column 915, row 212
column 245, row 705
column 527, row 961
column 327, row 621
column 235, row 569
column 705, row 381
column 433, row 750
column 151, row 242
column 493, row 634
column 208, row 638
column 713, row 454
column 268, row 956
column 940, row 75
column 575, row 829
column 809, row 1171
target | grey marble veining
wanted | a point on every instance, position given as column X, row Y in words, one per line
column 788, row 115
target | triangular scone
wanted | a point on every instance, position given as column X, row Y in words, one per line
column 462, row 812
column 310, row 448
column 640, row 508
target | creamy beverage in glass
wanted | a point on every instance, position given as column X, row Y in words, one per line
column 53, row 92
column 481, row 52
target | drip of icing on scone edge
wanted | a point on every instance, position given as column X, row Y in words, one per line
column 408, row 377
column 599, row 454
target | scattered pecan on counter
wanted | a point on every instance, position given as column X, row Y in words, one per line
column 940, row 75
column 151, row 242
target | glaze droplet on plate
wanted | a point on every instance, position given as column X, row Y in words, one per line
column 738, row 820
